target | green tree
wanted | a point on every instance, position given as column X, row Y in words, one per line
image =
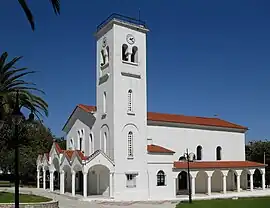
column 34, row 139
column 11, row 81
column 255, row 151
column 55, row 4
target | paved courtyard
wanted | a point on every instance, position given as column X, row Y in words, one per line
column 75, row 202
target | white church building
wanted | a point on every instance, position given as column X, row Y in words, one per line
column 119, row 150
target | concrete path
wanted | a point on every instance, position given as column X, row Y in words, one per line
column 75, row 202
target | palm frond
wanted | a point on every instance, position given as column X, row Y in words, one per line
column 28, row 13
column 56, row 6
column 3, row 58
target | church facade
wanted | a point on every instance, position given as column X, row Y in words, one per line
column 118, row 150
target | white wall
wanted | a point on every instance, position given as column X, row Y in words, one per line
column 73, row 134
column 161, row 192
column 179, row 139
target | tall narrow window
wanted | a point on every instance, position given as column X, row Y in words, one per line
column 218, row 153
column 199, row 152
column 81, row 140
column 130, row 144
column 134, row 55
column 104, row 102
column 105, row 142
column 124, row 52
column 108, row 53
column 130, row 107
column 161, row 178
column 91, row 143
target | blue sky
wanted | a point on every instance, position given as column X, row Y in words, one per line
column 204, row 57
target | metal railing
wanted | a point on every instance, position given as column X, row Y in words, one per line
column 122, row 18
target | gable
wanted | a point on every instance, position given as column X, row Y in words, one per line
column 81, row 114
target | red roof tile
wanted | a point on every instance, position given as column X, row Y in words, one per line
column 58, row 148
column 158, row 149
column 87, row 108
column 204, row 121
column 217, row 164
column 81, row 155
column 69, row 154
column 173, row 118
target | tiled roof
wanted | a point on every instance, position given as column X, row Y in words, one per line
column 204, row 121
column 158, row 149
column 217, row 164
column 87, row 108
column 173, row 118
column 69, row 154
column 58, row 148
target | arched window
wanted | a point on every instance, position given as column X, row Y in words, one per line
column 91, row 143
column 130, row 144
column 108, row 53
column 134, row 55
column 199, row 152
column 105, row 142
column 124, row 52
column 104, row 102
column 71, row 144
column 218, row 153
column 161, row 178
column 130, row 101
column 102, row 58
column 81, row 140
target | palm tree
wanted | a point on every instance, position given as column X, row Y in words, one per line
column 28, row 13
column 11, row 81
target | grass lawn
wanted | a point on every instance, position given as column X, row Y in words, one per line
column 6, row 197
column 260, row 202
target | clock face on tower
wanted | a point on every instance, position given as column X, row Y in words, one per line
column 130, row 39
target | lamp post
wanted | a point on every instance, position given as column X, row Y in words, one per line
column 189, row 158
column 16, row 117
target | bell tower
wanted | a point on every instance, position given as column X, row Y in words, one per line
column 122, row 102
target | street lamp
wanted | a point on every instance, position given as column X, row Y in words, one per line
column 16, row 118
column 189, row 158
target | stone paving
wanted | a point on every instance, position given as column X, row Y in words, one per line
column 66, row 201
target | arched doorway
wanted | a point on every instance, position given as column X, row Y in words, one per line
column 217, row 181
column 257, row 179
column 67, row 179
column 56, row 174
column 98, row 180
column 201, row 182
column 182, row 179
column 78, row 179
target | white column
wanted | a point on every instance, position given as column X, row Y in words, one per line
column 44, row 179
column 51, row 180
column 38, row 172
column 263, row 181
column 85, row 184
column 251, row 182
column 238, row 182
column 73, row 175
column 193, row 186
column 209, row 185
column 111, row 184
column 224, row 184
column 62, row 182
column 97, row 182
column 175, row 186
